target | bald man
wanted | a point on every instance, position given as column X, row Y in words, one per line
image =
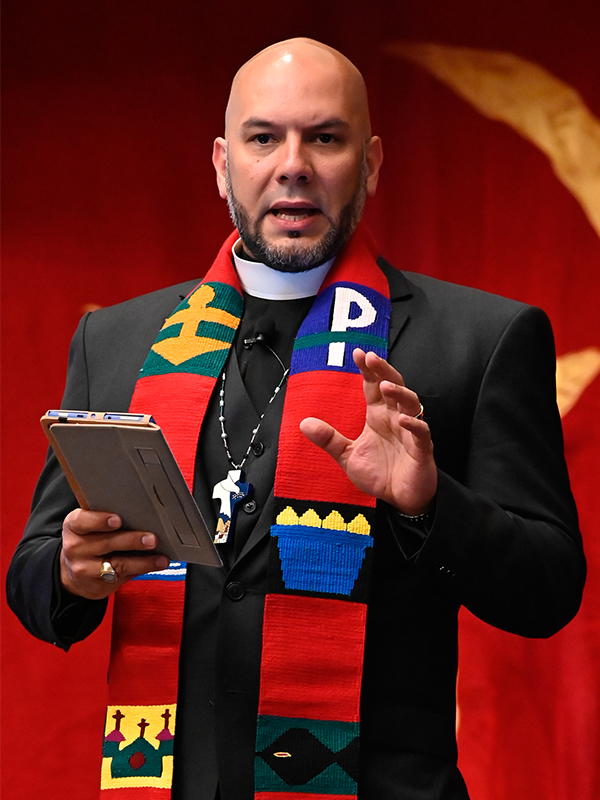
column 273, row 697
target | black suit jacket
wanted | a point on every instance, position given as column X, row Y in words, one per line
column 504, row 541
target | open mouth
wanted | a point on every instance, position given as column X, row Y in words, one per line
column 294, row 214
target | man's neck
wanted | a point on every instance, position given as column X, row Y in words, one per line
column 259, row 280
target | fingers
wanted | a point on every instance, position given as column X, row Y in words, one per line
column 83, row 522
column 91, row 538
column 384, row 382
column 375, row 369
column 420, row 444
column 97, row 533
column 392, row 459
column 400, row 399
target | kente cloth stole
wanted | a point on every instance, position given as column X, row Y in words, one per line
column 320, row 557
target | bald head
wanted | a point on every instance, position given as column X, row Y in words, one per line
column 298, row 158
column 278, row 63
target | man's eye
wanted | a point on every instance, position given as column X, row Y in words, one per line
column 263, row 138
column 325, row 138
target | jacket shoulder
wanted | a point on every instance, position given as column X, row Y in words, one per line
column 443, row 296
column 450, row 307
column 112, row 343
column 149, row 307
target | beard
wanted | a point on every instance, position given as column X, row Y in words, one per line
column 296, row 256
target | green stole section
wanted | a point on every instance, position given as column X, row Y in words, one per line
column 321, row 546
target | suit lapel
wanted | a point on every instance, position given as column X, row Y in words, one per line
column 261, row 529
column 400, row 293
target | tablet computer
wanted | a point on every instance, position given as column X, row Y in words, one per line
column 121, row 463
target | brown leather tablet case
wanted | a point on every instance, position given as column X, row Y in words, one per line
column 121, row 463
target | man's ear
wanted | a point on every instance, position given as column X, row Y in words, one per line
column 373, row 159
column 219, row 159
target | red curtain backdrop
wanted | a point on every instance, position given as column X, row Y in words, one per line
column 110, row 110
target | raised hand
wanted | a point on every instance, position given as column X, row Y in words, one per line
column 91, row 538
column 392, row 459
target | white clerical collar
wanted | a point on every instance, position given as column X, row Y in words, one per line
column 264, row 282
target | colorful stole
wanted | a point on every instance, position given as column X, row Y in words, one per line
column 321, row 546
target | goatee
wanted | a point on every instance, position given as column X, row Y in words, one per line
column 299, row 257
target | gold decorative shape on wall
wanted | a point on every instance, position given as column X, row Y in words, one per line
column 551, row 115
column 574, row 373
column 542, row 108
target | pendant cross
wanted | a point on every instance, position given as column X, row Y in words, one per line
column 230, row 492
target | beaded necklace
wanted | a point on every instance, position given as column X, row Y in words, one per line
column 233, row 489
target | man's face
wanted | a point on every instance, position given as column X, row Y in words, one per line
column 297, row 163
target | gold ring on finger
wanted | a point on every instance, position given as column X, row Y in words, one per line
column 108, row 572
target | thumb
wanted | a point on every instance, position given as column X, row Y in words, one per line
column 325, row 436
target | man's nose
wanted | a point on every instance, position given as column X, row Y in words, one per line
column 296, row 165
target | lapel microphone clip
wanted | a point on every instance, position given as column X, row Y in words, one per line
column 263, row 333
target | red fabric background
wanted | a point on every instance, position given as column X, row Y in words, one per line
column 110, row 109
